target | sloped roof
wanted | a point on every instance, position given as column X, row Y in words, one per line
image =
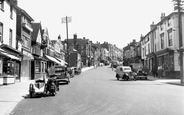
column 36, row 27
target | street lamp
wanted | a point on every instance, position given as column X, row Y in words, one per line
column 67, row 20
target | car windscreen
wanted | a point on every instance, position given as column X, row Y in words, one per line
column 127, row 69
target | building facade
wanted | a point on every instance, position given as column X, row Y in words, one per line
column 10, row 56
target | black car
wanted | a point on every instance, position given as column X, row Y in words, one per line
column 141, row 74
column 77, row 70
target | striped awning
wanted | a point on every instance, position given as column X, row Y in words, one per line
column 9, row 55
column 53, row 59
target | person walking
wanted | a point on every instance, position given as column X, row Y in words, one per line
column 112, row 66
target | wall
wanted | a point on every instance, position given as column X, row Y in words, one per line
column 8, row 23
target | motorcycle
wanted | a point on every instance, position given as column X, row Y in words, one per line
column 39, row 87
column 43, row 86
column 51, row 86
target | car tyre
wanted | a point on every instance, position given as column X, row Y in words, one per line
column 117, row 76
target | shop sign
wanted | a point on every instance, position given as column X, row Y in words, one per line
column 27, row 54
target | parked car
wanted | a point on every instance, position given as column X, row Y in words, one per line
column 71, row 71
column 61, row 74
column 125, row 73
column 77, row 70
column 106, row 62
column 141, row 74
column 114, row 64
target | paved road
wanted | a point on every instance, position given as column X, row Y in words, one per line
column 97, row 92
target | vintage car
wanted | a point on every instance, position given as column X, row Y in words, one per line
column 125, row 73
column 141, row 74
column 77, row 70
column 61, row 74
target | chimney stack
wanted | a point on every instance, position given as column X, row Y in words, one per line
column 152, row 26
column 162, row 16
column 75, row 40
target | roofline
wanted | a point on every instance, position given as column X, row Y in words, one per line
column 25, row 13
column 171, row 14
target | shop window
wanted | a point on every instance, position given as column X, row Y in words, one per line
column 1, row 66
column 42, row 67
column 37, row 66
column 8, row 67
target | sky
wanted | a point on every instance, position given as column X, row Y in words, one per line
column 117, row 22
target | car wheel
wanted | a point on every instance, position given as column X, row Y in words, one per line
column 135, row 79
column 30, row 94
column 117, row 76
column 127, row 78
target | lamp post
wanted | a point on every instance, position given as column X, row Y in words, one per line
column 67, row 20
column 178, row 6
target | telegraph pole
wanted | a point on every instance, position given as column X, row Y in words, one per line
column 67, row 20
column 178, row 6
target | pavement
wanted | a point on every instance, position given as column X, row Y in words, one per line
column 12, row 94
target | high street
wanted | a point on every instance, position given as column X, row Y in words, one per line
column 97, row 92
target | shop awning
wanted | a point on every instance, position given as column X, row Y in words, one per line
column 62, row 62
column 40, row 58
column 53, row 59
column 10, row 55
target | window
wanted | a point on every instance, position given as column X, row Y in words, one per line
column 11, row 12
column 37, row 66
column 170, row 38
column 148, row 48
column 2, row 5
column 10, row 37
column 26, row 42
column 161, row 27
column 162, row 41
column 145, row 51
column 1, row 32
column 169, row 22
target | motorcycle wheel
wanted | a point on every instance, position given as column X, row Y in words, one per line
column 31, row 94
column 53, row 93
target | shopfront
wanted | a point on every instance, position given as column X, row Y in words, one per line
column 26, row 66
column 9, row 67
column 38, row 67
column 166, row 60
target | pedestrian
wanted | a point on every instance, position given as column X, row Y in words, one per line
column 112, row 66
column 159, row 71
column 163, row 72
